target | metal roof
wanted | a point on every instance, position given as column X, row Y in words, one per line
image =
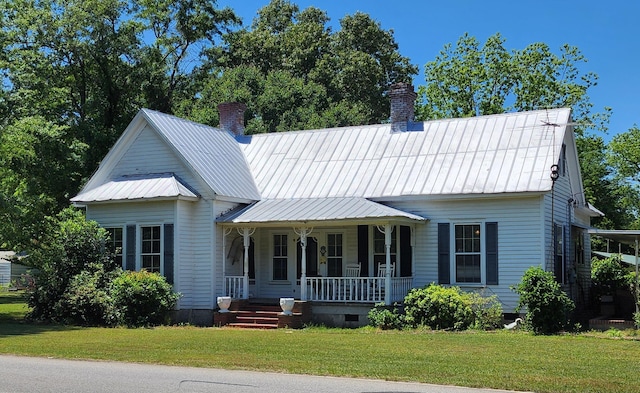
column 150, row 186
column 314, row 210
column 214, row 154
column 625, row 258
column 625, row 236
column 503, row 153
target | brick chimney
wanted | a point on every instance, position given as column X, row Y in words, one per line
column 402, row 105
column 232, row 117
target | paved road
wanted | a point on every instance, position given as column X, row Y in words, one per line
column 35, row 375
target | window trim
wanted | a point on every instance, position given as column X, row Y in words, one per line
column 272, row 257
column 139, row 253
column 342, row 257
column 454, row 254
column 123, row 241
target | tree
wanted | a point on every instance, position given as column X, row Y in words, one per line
column 82, row 69
column 472, row 80
column 294, row 72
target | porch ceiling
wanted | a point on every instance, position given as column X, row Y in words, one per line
column 316, row 212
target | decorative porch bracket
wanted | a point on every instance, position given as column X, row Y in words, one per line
column 225, row 232
column 387, row 229
column 303, row 232
column 246, row 237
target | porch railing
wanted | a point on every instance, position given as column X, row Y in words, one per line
column 233, row 286
column 356, row 289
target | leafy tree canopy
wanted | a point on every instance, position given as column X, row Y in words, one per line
column 294, row 72
column 470, row 79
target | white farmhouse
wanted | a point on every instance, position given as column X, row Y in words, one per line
column 343, row 218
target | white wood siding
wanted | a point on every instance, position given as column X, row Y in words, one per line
column 150, row 154
column 519, row 233
column 215, row 242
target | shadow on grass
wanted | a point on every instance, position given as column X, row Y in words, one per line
column 13, row 308
column 10, row 328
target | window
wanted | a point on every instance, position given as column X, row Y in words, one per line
column 334, row 255
column 114, row 244
column 468, row 254
column 279, row 257
column 558, row 251
column 151, row 250
column 578, row 245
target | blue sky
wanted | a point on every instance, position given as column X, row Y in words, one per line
column 605, row 31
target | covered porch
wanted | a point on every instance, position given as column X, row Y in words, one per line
column 347, row 250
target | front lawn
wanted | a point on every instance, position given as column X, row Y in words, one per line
column 501, row 359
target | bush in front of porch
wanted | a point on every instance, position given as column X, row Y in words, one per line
column 439, row 307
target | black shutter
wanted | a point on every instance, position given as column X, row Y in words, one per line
column 405, row 251
column 130, row 263
column 168, row 253
column 363, row 249
column 491, row 239
column 444, row 261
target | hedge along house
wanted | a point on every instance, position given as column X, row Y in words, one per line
column 346, row 217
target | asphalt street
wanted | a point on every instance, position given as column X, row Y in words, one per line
column 35, row 375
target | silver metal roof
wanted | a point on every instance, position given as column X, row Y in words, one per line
column 502, row 153
column 625, row 258
column 314, row 210
column 214, row 154
column 163, row 185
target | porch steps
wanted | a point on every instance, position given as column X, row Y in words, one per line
column 256, row 316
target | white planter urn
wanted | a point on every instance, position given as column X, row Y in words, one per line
column 287, row 303
column 224, row 302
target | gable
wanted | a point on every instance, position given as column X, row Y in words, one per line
column 206, row 158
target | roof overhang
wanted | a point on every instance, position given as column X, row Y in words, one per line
column 316, row 212
column 625, row 236
column 159, row 186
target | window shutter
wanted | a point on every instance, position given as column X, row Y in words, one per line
column 130, row 263
column 363, row 249
column 444, row 261
column 491, row 249
column 168, row 253
column 405, row 251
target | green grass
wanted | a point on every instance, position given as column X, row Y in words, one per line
column 502, row 359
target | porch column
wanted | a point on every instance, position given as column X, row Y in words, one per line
column 387, row 229
column 303, row 232
column 246, row 237
column 637, row 294
column 225, row 233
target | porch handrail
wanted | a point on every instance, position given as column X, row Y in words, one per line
column 356, row 289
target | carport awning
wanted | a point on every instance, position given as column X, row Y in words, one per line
column 316, row 211
column 138, row 187
column 625, row 236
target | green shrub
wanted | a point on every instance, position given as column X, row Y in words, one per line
column 87, row 300
column 548, row 306
column 72, row 246
column 438, row 307
column 143, row 298
column 386, row 317
column 487, row 311
column 608, row 275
